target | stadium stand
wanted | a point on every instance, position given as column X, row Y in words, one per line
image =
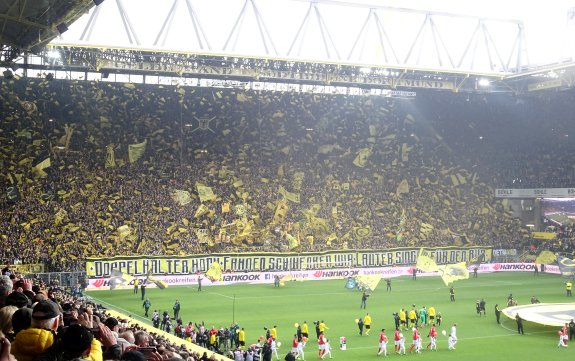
column 330, row 171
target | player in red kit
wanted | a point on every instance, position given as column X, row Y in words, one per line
column 321, row 344
column 432, row 338
column 382, row 343
column 294, row 344
column 396, row 339
column 416, row 341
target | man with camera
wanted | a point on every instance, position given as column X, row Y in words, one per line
column 364, row 297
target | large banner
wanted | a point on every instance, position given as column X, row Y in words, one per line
column 535, row 193
column 311, row 275
column 258, row 262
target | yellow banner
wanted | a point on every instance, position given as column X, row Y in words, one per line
column 266, row 261
column 544, row 235
column 25, row 268
column 294, row 197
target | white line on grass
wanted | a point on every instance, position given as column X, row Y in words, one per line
column 127, row 313
column 226, row 296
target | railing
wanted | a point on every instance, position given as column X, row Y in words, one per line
column 66, row 280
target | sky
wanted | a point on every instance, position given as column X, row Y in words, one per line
column 547, row 31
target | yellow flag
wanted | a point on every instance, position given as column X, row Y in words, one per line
column 202, row 209
column 214, row 273
column 245, row 230
column 362, row 157
column 110, row 156
column 424, row 230
column 119, row 278
column 293, row 242
column 205, row 193
column 159, row 283
column 426, row 263
column 135, row 151
column 226, row 207
column 362, row 232
column 181, row 197
column 368, row 281
column 242, row 97
column 461, row 178
column 454, row 180
column 285, row 279
column 453, row 272
column 203, row 237
column 171, row 228
column 326, row 148
column 546, row 257
column 405, row 152
column 403, row 187
column 281, row 211
column 297, row 181
column 43, row 164
column 59, row 216
column 293, row 197
column 124, row 231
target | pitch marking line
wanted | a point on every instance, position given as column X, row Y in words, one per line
column 126, row 312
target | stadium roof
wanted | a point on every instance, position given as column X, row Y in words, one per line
column 459, row 41
column 25, row 24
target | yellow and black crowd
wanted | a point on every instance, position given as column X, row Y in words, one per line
column 104, row 169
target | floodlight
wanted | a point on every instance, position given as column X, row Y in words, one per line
column 483, row 82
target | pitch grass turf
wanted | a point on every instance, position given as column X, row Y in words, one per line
column 480, row 337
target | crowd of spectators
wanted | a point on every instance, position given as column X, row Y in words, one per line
column 369, row 172
column 46, row 323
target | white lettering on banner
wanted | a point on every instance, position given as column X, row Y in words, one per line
column 429, row 84
column 535, row 193
column 504, row 252
column 314, row 275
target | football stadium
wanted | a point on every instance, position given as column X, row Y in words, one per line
column 257, row 180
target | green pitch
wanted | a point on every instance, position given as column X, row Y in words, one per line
column 480, row 337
